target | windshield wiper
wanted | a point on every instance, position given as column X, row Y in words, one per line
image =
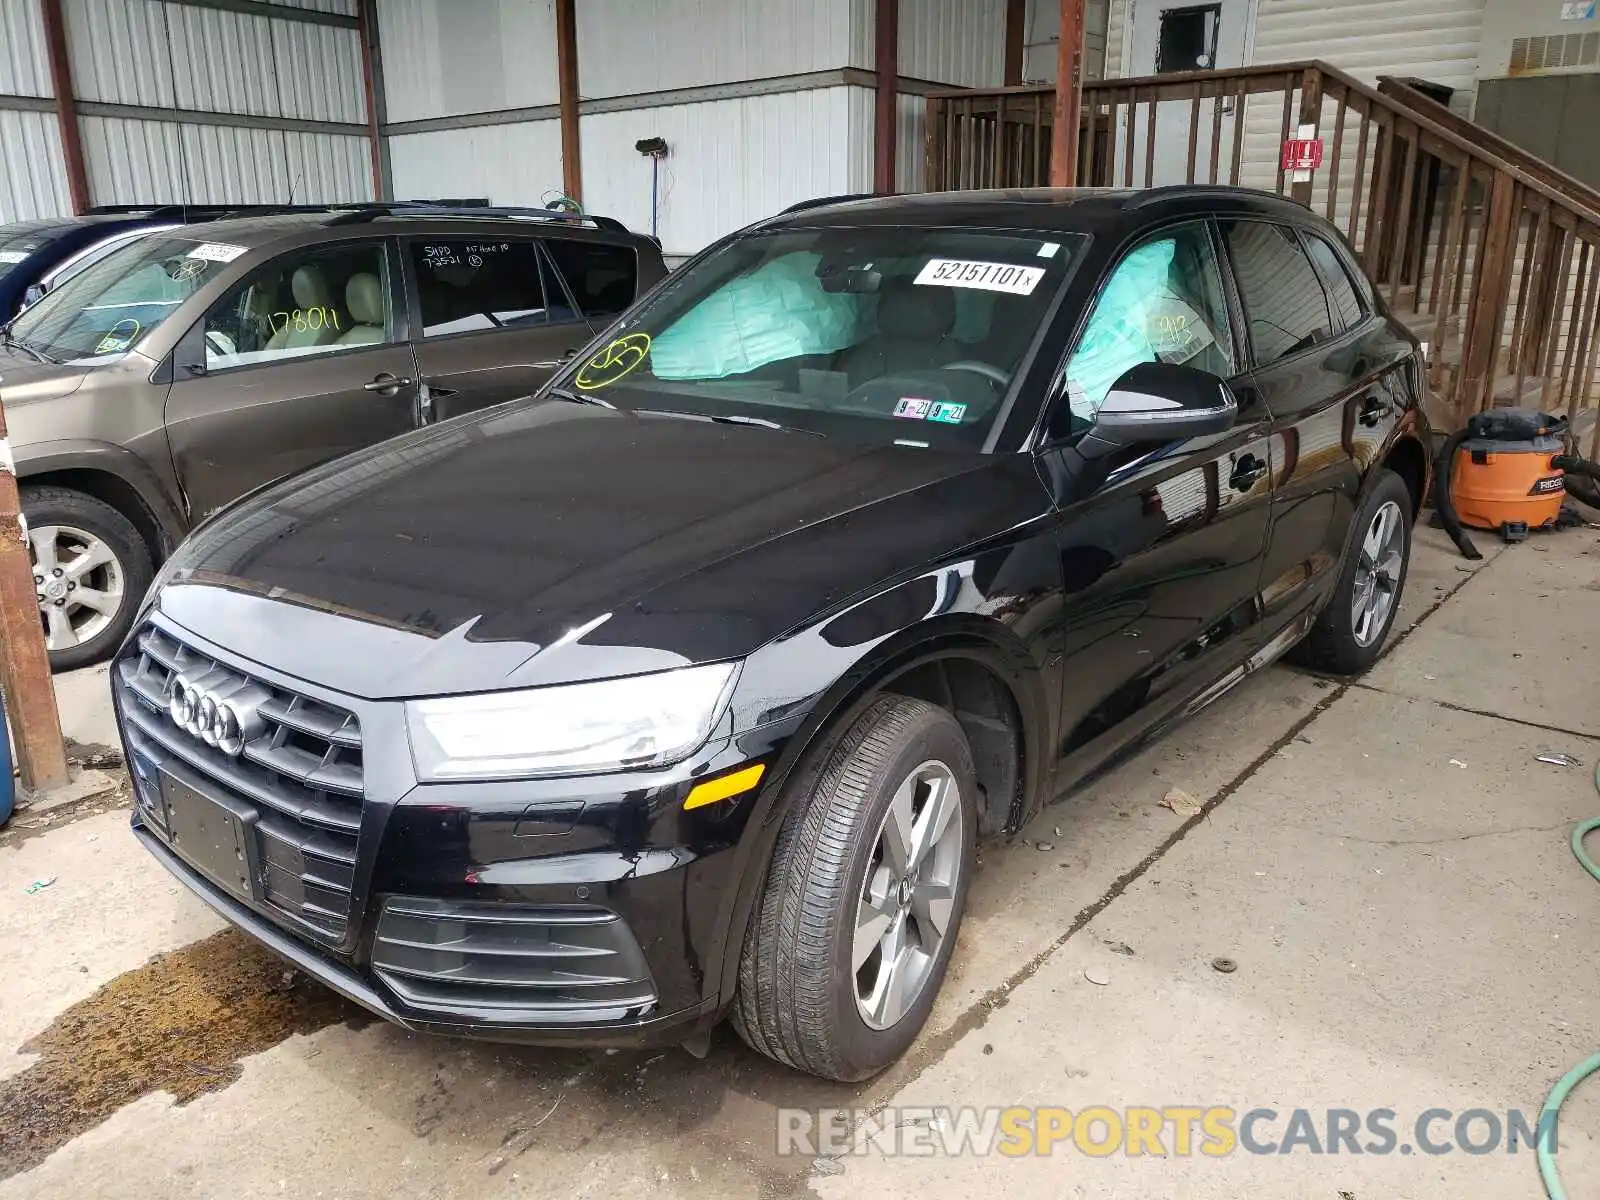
column 10, row 341
column 577, row 398
column 735, row 419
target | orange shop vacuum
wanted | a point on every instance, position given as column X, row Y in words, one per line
column 1508, row 471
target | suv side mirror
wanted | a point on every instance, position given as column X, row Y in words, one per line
column 1159, row 402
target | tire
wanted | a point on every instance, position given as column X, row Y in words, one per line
column 82, row 524
column 1340, row 643
column 799, row 990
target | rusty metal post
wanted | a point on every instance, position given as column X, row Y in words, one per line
column 886, row 63
column 1069, row 96
column 55, row 37
column 24, row 664
column 567, row 93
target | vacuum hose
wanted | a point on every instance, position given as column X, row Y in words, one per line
column 1582, row 476
column 1442, row 503
column 1558, row 1094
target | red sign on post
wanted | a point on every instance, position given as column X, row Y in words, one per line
column 1302, row 154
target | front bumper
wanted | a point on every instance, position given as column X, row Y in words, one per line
column 591, row 911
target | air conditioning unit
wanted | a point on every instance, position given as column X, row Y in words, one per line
column 1561, row 37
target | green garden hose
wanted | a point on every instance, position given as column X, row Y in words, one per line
column 1563, row 1089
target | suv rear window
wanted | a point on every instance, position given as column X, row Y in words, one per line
column 601, row 278
column 470, row 284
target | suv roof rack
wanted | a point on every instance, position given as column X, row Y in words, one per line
column 824, row 201
column 361, row 214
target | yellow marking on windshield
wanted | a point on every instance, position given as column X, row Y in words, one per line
column 616, row 360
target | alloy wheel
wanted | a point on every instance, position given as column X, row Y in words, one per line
column 79, row 583
column 1379, row 569
column 908, row 896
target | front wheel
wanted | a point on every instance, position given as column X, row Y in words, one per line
column 858, row 917
column 90, row 570
column 1349, row 635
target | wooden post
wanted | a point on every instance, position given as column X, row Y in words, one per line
column 55, row 37
column 1069, row 96
column 567, row 89
column 1016, row 40
column 1310, row 115
column 886, row 63
column 367, row 30
column 24, row 663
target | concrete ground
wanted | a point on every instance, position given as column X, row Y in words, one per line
column 1383, row 860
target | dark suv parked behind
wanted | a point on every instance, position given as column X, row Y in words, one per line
column 688, row 688
column 198, row 363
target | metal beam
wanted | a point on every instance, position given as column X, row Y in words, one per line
column 780, row 85
column 886, row 66
column 567, row 89
column 27, row 103
column 55, row 37
column 196, row 116
column 277, row 12
column 372, row 81
column 1016, row 40
column 1069, row 96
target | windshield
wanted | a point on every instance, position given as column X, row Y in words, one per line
column 909, row 335
column 120, row 298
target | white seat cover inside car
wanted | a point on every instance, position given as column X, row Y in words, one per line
column 363, row 298
column 311, row 293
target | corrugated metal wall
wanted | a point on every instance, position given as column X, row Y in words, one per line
column 959, row 42
column 33, row 175
column 1044, row 31
column 626, row 47
column 510, row 164
column 442, row 60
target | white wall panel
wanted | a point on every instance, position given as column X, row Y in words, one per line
column 318, row 71
column 345, row 8
column 631, row 46
column 24, row 62
column 33, row 174
column 731, row 161
column 515, row 164
column 227, row 59
column 467, row 56
column 959, row 42
column 120, row 51
column 1044, row 32
column 911, row 151
column 134, row 162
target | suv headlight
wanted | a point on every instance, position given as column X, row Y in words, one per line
column 612, row 725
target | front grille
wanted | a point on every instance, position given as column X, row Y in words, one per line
column 301, row 773
column 509, row 963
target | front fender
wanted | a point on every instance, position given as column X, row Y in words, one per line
column 106, row 458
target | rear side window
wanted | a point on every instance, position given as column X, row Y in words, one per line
column 1284, row 303
column 1342, row 298
column 473, row 284
column 601, row 278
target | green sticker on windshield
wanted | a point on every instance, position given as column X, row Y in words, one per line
column 948, row 414
column 615, row 361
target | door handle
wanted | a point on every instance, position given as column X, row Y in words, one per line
column 1373, row 410
column 385, row 384
column 1247, row 472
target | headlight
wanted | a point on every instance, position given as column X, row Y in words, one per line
column 613, row 725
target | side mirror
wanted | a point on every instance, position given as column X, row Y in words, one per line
column 33, row 294
column 1159, row 402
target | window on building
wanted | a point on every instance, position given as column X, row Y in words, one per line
column 1284, row 303
column 1188, row 38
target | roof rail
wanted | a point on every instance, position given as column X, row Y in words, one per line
column 824, row 201
column 362, row 214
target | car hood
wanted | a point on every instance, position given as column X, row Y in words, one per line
column 548, row 542
column 24, row 380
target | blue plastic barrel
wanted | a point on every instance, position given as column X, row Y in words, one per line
column 8, row 783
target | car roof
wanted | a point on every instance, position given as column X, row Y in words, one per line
column 254, row 232
column 58, row 224
column 1068, row 210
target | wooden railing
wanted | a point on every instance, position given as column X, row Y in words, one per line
column 1489, row 255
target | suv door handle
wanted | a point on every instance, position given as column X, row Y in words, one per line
column 385, row 384
column 1373, row 410
column 1247, row 472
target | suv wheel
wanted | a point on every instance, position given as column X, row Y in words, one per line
column 90, row 569
column 859, row 912
column 1350, row 633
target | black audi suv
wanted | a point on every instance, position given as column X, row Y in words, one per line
column 686, row 688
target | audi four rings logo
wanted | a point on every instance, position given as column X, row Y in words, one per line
column 219, row 709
